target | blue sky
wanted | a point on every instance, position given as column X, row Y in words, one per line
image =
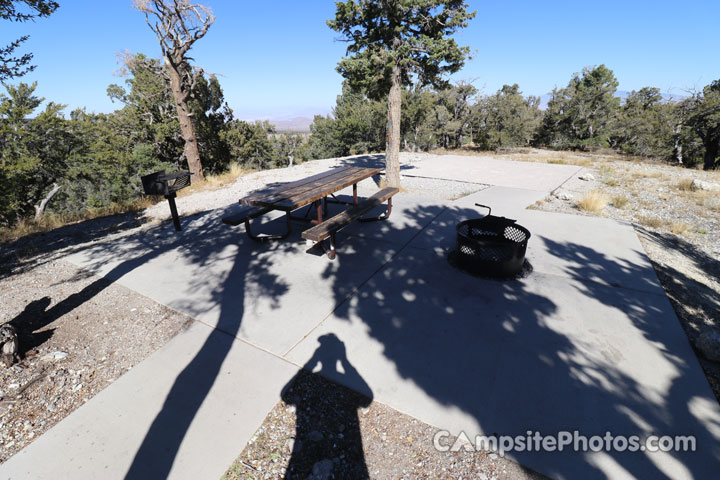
column 277, row 58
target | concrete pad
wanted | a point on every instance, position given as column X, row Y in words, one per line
column 548, row 354
column 278, row 294
column 504, row 201
column 184, row 413
column 490, row 171
column 410, row 215
column 588, row 248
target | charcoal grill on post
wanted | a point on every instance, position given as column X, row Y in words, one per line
column 161, row 183
column 491, row 246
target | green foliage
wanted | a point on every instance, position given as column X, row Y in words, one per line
column 703, row 118
column 413, row 35
column 252, row 144
column 417, row 120
column 33, row 151
column 506, row 119
column 452, row 119
column 645, row 125
column 581, row 116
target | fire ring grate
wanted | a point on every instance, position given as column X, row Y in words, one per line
column 491, row 246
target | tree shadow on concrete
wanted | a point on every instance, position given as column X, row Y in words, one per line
column 204, row 240
column 512, row 359
column 327, row 435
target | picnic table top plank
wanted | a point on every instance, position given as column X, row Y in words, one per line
column 310, row 196
column 311, row 189
column 276, row 193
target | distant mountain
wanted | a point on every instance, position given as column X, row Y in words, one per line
column 621, row 94
column 297, row 124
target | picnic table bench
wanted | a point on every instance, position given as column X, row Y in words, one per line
column 314, row 191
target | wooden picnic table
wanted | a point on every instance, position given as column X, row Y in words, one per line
column 313, row 191
column 310, row 190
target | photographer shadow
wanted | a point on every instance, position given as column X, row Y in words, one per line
column 327, row 437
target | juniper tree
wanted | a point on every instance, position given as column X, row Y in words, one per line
column 396, row 43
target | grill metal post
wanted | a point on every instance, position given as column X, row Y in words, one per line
column 173, row 211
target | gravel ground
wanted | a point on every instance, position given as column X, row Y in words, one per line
column 78, row 334
column 322, row 430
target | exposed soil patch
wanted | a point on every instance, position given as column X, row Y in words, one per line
column 78, row 333
column 324, row 430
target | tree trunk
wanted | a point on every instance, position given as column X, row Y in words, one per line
column 678, row 148
column 192, row 154
column 40, row 209
column 711, row 154
column 392, row 149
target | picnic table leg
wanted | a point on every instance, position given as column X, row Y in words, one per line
column 384, row 216
column 267, row 238
column 355, row 198
column 331, row 252
column 319, row 212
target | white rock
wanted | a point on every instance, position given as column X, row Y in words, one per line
column 563, row 196
column 586, row 177
column 709, row 345
column 701, row 185
column 55, row 356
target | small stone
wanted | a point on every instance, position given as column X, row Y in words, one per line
column 322, row 470
column 2, row 393
column 701, row 185
column 13, row 386
column 315, row 436
column 586, row 177
column 709, row 345
column 563, row 196
column 55, row 356
column 493, row 456
column 290, row 444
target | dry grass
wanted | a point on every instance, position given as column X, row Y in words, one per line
column 685, row 185
column 641, row 175
column 594, row 201
column 710, row 202
column 619, row 201
column 213, row 182
column 679, row 228
column 52, row 221
column 650, row 221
